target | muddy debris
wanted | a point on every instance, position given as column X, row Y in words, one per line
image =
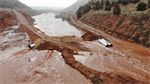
column 89, row 36
column 96, row 76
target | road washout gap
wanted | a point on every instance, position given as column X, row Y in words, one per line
column 67, row 53
column 127, row 51
column 19, row 64
column 39, row 67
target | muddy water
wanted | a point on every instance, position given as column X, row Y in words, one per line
column 39, row 67
column 130, row 59
column 20, row 65
column 53, row 26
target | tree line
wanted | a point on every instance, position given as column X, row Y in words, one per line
column 107, row 6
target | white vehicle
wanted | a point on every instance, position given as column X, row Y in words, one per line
column 105, row 43
column 31, row 46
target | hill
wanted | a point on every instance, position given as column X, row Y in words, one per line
column 129, row 24
column 76, row 5
column 13, row 4
column 9, row 5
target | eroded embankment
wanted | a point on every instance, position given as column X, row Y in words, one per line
column 7, row 19
column 132, row 28
column 67, row 53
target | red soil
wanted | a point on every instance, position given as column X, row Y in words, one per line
column 67, row 53
column 7, row 19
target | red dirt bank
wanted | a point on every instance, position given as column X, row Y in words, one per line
column 131, row 28
column 7, row 19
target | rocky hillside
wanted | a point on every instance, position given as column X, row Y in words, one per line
column 131, row 28
column 13, row 4
column 129, row 24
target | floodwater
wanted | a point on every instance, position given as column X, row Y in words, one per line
column 130, row 59
column 55, row 26
column 38, row 67
column 20, row 65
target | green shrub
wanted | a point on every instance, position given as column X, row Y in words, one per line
column 86, row 8
column 100, row 6
column 119, row 1
column 79, row 14
column 97, row 5
column 108, row 8
column 102, row 2
column 116, row 10
column 112, row 4
column 124, row 2
column 148, row 3
column 141, row 7
column 134, row 1
column 107, row 3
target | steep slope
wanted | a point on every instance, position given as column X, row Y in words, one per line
column 13, row 4
column 76, row 5
column 9, row 5
column 131, row 28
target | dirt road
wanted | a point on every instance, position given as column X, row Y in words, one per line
column 128, row 58
column 24, row 22
column 89, row 28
